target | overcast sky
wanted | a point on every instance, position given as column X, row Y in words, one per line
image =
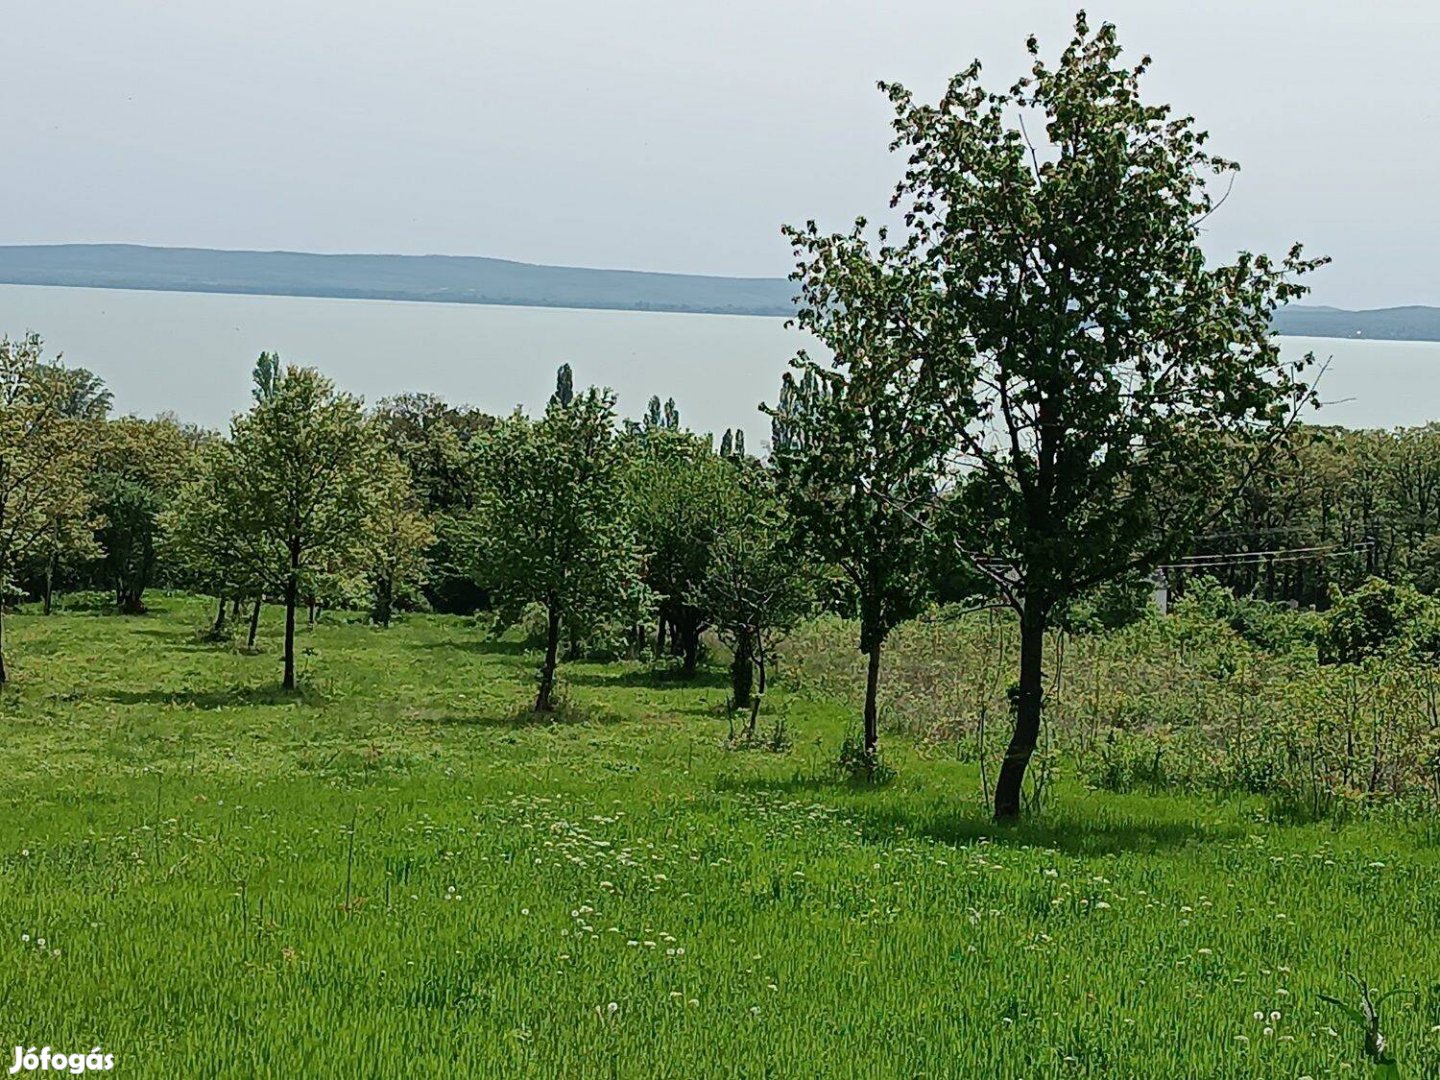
column 668, row 134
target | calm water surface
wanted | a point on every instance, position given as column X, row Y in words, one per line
column 192, row 353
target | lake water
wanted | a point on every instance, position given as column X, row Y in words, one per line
column 192, row 353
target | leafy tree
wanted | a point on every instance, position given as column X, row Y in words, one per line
column 755, row 588
column 139, row 466
column 858, row 493
column 1374, row 620
column 436, row 441
column 44, row 459
column 551, row 526
column 681, row 497
column 305, row 468
column 397, row 536
column 206, row 535
column 1099, row 382
column 77, row 393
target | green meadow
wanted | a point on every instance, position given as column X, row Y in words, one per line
column 400, row 871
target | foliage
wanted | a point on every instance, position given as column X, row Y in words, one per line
column 1051, row 303
column 861, row 764
column 437, row 441
column 397, row 534
column 139, row 466
column 550, row 526
column 206, row 535
column 756, row 588
column 303, row 484
column 44, row 459
column 681, row 498
column 854, row 485
column 1376, row 619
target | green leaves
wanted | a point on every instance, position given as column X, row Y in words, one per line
column 550, row 525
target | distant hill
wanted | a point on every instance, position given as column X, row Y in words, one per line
column 1385, row 324
column 441, row 278
column 469, row 279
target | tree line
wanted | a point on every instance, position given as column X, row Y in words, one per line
column 1040, row 391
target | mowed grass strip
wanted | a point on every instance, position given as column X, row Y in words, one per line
column 399, row 870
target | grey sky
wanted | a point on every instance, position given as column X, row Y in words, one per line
column 665, row 134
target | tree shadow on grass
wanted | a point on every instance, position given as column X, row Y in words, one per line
column 523, row 717
column 215, row 699
column 187, row 639
column 483, row 646
column 659, row 678
column 1063, row 830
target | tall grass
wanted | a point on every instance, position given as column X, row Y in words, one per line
column 401, row 872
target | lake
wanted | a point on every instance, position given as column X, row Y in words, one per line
column 192, row 353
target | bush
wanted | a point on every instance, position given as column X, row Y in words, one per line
column 1378, row 619
column 860, row 766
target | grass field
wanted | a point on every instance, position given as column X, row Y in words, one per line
column 399, row 873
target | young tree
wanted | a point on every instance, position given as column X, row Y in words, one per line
column 397, row 536
column 755, row 588
column 305, row 467
column 139, row 466
column 435, row 441
column 1050, row 299
column 44, row 459
column 204, row 535
column 681, row 497
column 551, row 526
column 857, row 491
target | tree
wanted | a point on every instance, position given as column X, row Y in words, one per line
column 856, row 489
column 139, row 466
column 205, row 535
column 305, row 466
column 681, row 497
column 732, row 443
column 551, row 526
column 397, row 535
column 77, row 393
column 755, row 588
column 435, row 441
column 564, row 386
column 1098, row 381
column 44, row 459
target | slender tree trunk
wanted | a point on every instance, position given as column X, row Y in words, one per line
column 692, row 649
column 292, row 598
column 547, row 673
column 49, row 584
column 660, row 637
column 384, row 591
column 219, row 628
column 254, row 624
column 872, row 685
column 234, row 608
column 1008, row 788
column 4, row 675
column 742, row 671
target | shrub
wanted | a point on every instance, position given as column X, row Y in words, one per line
column 861, row 766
